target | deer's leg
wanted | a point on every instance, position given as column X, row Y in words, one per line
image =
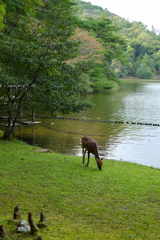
column 88, row 159
column 83, row 152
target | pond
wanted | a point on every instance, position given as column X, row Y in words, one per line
column 137, row 101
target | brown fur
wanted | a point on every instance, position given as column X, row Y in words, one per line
column 88, row 144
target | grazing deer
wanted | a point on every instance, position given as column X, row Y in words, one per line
column 88, row 144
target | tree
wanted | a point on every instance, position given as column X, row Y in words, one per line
column 90, row 48
column 86, row 9
column 148, row 60
column 120, row 69
column 144, row 72
column 156, row 58
column 105, row 32
column 84, row 85
column 2, row 13
column 34, row 55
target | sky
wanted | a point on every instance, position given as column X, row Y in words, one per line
column 145, row 11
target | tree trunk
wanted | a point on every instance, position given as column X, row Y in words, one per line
column 9, row 128
column 11, row 122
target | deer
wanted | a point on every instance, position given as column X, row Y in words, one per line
column 88, row 144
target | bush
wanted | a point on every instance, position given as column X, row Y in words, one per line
column 1, row 134
column 84, row 85
column 144, row 72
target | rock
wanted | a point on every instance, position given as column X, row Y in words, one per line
column 42, row 221
column 42, row 217
column 39, row 238
column 34, row 228
column 23, row 226
column 42, row 225
column 16, row 213
column 42, row 150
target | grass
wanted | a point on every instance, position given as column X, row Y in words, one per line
column 120, row 202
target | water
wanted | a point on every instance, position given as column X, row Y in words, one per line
column 136, row 101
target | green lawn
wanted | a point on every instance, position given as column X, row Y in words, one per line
column 120, row 202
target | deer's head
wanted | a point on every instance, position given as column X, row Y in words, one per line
column 99, row 163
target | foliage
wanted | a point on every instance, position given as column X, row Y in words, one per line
column 86, row 9
column 118, row 202
column 144, row 72
column 119, row 68
column 140, row 42
column 90, row 48
column 84, row 84
column 99, row 80
column 1, row 134
column 142, row 45
column 2, row 13
column 104, row 31
column 34, row 55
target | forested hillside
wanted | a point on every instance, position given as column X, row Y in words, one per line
column 86, row 9
column 100, row 42
column 141, row 48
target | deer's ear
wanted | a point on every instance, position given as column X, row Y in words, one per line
column 101, row 159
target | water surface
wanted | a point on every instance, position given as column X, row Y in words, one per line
column 135, row 101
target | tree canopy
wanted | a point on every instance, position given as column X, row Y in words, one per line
column 49, row 54
column 103, row 29
column 34, row 54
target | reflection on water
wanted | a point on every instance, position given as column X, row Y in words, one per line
column 138, row 102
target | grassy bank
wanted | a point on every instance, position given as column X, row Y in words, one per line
column 120, row 202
